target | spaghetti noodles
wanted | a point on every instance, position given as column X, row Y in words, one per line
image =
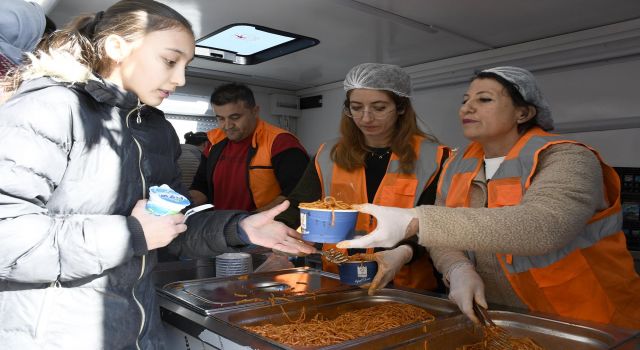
column 327, row 203
column 489, row 340
column 284, row 295
column 362, row 257
column 319, row 331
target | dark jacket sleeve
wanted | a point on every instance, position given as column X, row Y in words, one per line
column 289, row 160
column 209, row 233
column 308, row 189
column 289, row 166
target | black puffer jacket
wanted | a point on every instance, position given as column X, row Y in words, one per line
column 74, row 160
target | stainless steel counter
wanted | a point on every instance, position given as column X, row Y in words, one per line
column 219, row 325
column 212, row 332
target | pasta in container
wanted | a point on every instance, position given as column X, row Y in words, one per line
column 327, row 220
column 319, row 331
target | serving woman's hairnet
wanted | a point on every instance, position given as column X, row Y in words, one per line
column 378, row 76
column 526, row 84
column 21, row 27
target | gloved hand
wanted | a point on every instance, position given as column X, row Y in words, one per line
column 391, row 229
column 263, row 230
column 389, row 263
column 465, row 287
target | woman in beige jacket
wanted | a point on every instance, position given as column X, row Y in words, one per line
column 530, row 219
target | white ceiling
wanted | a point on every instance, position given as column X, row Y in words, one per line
column 402, row 32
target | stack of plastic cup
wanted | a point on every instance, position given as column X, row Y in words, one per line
column 230, row 264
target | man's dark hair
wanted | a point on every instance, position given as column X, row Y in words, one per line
column 232, row 93
column 195, row 138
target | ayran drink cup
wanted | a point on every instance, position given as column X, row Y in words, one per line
column 165, row 201
column 356, row 273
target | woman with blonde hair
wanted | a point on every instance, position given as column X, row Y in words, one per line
column 381, row 157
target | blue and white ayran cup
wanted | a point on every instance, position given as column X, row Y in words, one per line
column 165, row 201
column 356, row 273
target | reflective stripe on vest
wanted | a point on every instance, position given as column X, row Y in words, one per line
column 593, row 233
column 521, row 166
column 396, row 189
column 592, row 277
column 468, row 166
column 426, row 167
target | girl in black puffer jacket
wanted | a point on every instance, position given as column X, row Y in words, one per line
column 79, row 149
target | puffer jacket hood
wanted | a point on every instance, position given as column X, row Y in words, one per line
column 59, row 65
column 61, row 68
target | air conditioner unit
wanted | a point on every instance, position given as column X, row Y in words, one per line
column 288, row 105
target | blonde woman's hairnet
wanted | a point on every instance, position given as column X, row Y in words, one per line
column 378, row 76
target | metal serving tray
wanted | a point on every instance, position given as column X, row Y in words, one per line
column 211, row 295
column 551, row 334
column 332, row 305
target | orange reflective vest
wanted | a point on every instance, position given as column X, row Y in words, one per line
column 591, row 278
column 396, row 189
column 263, row 183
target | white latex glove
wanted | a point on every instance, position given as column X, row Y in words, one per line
column 264, row 231
column 465, row 287
column 389, row 263
column 391, row 229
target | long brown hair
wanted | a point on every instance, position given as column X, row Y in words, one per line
column 84, row 37
column 350, row 151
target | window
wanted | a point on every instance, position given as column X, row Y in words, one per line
column 243, row 43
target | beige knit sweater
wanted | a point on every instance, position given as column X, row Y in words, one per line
column 566, row 190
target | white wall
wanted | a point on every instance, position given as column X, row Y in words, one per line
column 204, row 87
column 317, row 125
column 600, row 92
column 583, row 93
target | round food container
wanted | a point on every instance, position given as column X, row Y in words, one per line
column 165, row 201
column 356, row 273
column 326, row 225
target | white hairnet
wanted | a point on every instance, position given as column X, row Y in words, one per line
column 526, row 84
column 378, row 76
